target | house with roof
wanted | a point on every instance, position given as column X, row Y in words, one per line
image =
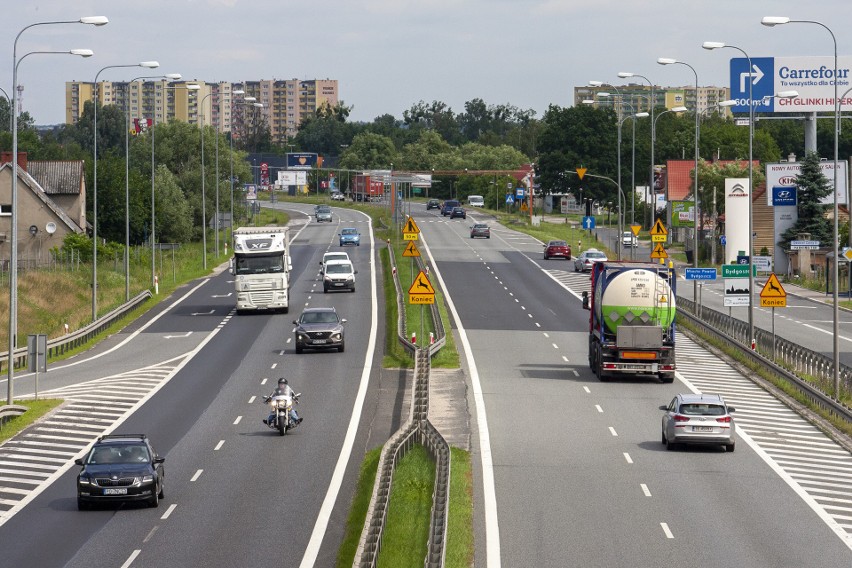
column 51, row 204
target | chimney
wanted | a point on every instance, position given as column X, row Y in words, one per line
column 6, row 157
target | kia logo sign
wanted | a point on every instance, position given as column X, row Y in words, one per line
column 787, row 180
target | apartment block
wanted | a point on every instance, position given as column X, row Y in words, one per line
column 286, row 103
column 630, row 98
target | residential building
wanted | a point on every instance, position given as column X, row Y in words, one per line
column 286, row 103
column 637, row 97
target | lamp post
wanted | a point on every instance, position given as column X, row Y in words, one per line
column 246, row 102
column 147, row 65
column 772, row 21
column 13, row 255
column 654, row 125
column 170, row 76
column 8, row 100
column 670, row 61
column 203, row 191
column 651, row 103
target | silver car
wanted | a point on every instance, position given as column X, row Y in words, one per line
column 587, row 258
column 698, row 419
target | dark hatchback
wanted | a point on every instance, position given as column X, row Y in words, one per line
column 458, row 212
column 433, row 204
column 319, row 328
column 557, row 249
column 120, row 468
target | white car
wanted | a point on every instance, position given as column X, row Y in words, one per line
column 338, row 275
column 628, row 239
column 337, row 196
column 329, row 256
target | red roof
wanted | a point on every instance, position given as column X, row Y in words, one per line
column 680, row 182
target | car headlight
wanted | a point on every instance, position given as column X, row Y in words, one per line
column 326, row 279
column 350, row 278
column 85, row 480
column 337, row 336
column 147, row 479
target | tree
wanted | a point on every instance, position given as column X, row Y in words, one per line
column 369, row 151
column 812, row 187
column 173, row 213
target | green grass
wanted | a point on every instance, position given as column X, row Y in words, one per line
column 406, row 532
column 459, row 545
column 358, row 508
column 37, row 409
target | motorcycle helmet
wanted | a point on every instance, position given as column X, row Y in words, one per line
column 282, row 381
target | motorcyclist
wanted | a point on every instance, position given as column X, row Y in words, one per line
column 283, row 389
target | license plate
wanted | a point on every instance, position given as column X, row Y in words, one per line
column 702, row 428
column 319, row 341
column 115, row 491
column 338, row 283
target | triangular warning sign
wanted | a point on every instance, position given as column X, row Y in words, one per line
column 581, row 172
column 664, row 299
column 659, row 252
column 411, row 226
column 421, row 285
column 773, row 288
column 659, row 229
column 411, row 250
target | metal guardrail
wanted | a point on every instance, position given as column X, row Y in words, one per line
column 9, row 411
column 61, row 345
column 735, row 333
column 416, row 430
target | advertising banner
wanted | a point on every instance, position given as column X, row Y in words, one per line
column 781, row 177
column 737, row 194
column 301, row 161
column 683, row 213
column 292, row 178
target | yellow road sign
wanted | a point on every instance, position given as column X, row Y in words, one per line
column 659, row 252
column 773, row 288
column 411, row 250
column 659, row 238
column 659, row 228
column 421, row 291
column 411, row 226
column 635, row 229
column 774, row 302
column 410, row 236
column 581, row 172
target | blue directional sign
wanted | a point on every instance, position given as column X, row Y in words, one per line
column 700, row 274
column 760, row 77
column 723, row 240
column 588, row 222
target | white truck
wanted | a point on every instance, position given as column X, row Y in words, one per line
column 261, row 266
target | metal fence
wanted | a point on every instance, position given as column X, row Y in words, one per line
column 784, row 359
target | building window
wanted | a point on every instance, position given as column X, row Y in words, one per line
column 5, row 210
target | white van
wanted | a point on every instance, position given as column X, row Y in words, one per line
column 475, row 201
column 338, row 275
column 329, row 256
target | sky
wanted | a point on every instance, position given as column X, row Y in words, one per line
column 387, row 55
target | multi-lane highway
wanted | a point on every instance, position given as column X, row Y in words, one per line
column 569, row 471
column 191, row 375
column 573, row 472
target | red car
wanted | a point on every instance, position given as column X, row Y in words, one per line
column 557, row 249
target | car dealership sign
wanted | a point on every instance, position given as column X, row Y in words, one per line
column 812, row 77
column 781, row 178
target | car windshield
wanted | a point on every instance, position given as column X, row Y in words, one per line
column 260, row 264
column 480, row 226
column 702, row 409
column 323, row 209
column 338, row 269
column 595, row 255
column 335, row 256
column 130, row 453
column 350, row 232
column 319, row 317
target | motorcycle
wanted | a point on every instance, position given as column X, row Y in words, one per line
column 280, row 408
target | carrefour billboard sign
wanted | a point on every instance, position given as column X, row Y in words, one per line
column 812, row 77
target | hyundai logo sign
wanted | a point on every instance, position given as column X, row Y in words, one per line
column 783, row 196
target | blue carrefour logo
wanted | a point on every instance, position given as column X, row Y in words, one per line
column 760, row 78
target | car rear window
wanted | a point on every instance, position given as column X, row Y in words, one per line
column 702, row 409
column 557, row 243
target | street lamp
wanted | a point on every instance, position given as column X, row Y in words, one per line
column 13, row 255
column 772, row 21
column 9, row 101
column 696, row 217
column 651, row 103
column 654, row 132
column 170, row 76
column 246, row 102
column 147, row 65
column 203, row 191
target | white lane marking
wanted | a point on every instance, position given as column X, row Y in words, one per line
column 627, row 457
column 197, row 475
column 492, row 529
column 612, row 431
column 150, row 534
column 251, row 400
column 219, row 445
column 587, row 390
column 131, row 558
column 169, row 511
column 564, row 358
column 576, row 374
column 598, row 408
column 274, row 365
column 546, row 334
column 827, row 332
column 324, row 516
column 263, row 382
column 523, row 308
column 536, row 323
column 667, row 530
column 237, row 421
column 645, row 490
column 555, row 346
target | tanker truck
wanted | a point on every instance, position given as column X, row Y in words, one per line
column 632, row 320
column 261, row 267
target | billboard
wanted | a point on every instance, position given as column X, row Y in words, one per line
column 782, row 177
column 812, row 77
column 292, row 178
column 737, row 195
column 683, row 213
column 301, row 161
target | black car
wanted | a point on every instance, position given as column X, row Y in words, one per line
column 458, row 212
column 319, row 328
column 433, row 204
column 120, row 467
